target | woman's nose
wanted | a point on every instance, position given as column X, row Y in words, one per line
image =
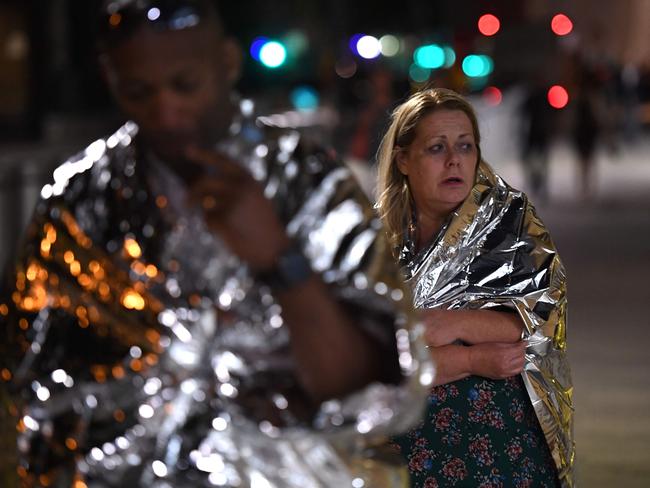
column 453, row 158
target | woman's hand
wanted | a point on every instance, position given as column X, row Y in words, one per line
column 494, row 360
column 497, row 360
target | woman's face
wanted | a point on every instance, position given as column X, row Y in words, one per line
column 441, row 162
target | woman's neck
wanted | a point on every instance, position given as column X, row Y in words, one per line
column 428, row 225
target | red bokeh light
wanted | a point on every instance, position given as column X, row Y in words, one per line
column 558, row 97
column 492, row 95
column 488, row 25
column 561, row 25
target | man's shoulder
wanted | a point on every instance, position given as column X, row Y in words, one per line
column 86, row 166
column 298, row 134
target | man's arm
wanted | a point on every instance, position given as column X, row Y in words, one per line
column 334, row 355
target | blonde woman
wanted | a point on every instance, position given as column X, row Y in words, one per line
column 484, row 267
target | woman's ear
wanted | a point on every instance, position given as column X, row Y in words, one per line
column 401, row 158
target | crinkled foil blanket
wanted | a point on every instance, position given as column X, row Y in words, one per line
column 138, row 351
column 494, row 251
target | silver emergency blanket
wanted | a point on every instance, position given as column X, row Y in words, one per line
column 494, row 251
column 139, row 351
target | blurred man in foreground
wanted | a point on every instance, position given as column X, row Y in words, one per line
column 201, row 299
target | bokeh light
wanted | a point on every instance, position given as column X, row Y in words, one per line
column 273, row 54
column 561, row 25
column 450, row 56
column 430, row 56
column 153, row 14
column 115, row 19
column 419, row 74
column 346, row 67
column 488, row 24
column 296, row 42
column 477, row 65
column 389, row 45
column 368, row 47
column 256, row 47
column 492, row 96
column 354, row 40
column 305, row 98
column 558, row 97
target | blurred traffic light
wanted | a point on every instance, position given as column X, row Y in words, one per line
column 489, row 24
column 558, row 97
column 561, row 25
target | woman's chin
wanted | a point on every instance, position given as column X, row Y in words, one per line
column 454, row 196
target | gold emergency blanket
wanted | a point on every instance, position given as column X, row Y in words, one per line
column 493, row 252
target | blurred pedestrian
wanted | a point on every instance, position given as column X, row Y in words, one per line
column 589, row 106
column 538, row 130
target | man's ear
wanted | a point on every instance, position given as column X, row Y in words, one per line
column 401, row 158
column 107, row 71
column 232, row 57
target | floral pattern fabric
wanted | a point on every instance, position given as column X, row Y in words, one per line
column 479, row 433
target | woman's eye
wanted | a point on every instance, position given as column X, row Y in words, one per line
column 436, row 148
column 466, row 146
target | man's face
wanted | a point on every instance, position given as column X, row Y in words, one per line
column 175, row 85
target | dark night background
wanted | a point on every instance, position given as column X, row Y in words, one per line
column 53, row 103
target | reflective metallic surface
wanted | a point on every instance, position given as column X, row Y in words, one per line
column 140, row 352
column 493, row 252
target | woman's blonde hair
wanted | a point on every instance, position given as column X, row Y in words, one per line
column 394, row 200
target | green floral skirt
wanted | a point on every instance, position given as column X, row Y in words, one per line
column 479, row 433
